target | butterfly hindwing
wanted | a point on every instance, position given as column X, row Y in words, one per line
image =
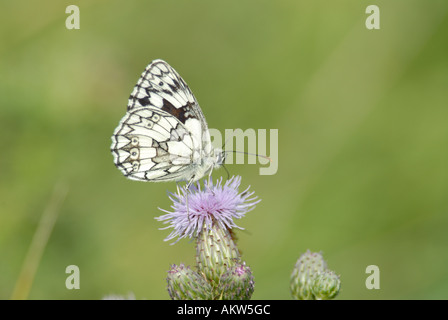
column 150, row 144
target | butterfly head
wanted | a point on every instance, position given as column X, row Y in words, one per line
column 220, row 156
column 214, row 159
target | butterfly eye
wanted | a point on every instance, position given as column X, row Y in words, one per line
column 135, row 166
column 134, row 141
column 155, row 117
column 160, row 83
column 134, row 153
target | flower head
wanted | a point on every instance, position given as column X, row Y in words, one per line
column 197, row 208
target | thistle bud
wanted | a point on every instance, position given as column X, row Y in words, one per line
column 215, row 253
column 307, row 267
column 186, row 284
column 326, row 285
column 237, row 283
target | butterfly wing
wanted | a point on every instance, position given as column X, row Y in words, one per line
column 164, row 131
column 152, row 145
column 160, row 86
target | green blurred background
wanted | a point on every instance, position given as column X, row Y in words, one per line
column 362, row 118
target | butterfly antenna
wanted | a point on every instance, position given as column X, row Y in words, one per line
column 252, row 154
column 224, row 144
column 228, row 173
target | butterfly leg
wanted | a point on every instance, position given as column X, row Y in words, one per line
column 189, row 183
column 186, row 197
column 209, row 182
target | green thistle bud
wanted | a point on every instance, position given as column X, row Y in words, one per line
column 326, row 285
column 307, row 267
column 237, row 283
column 215, row 252
column 186, row 284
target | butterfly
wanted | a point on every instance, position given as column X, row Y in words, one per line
column 164, row 135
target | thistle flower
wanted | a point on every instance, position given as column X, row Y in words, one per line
column 197, row 208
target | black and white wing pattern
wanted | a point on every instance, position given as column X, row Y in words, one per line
column 164, row 135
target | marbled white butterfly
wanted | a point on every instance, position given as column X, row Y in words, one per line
column 164, row 135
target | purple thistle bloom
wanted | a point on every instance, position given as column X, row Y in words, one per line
column 213, row 205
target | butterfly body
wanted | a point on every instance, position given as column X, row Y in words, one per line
column 164, row 135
